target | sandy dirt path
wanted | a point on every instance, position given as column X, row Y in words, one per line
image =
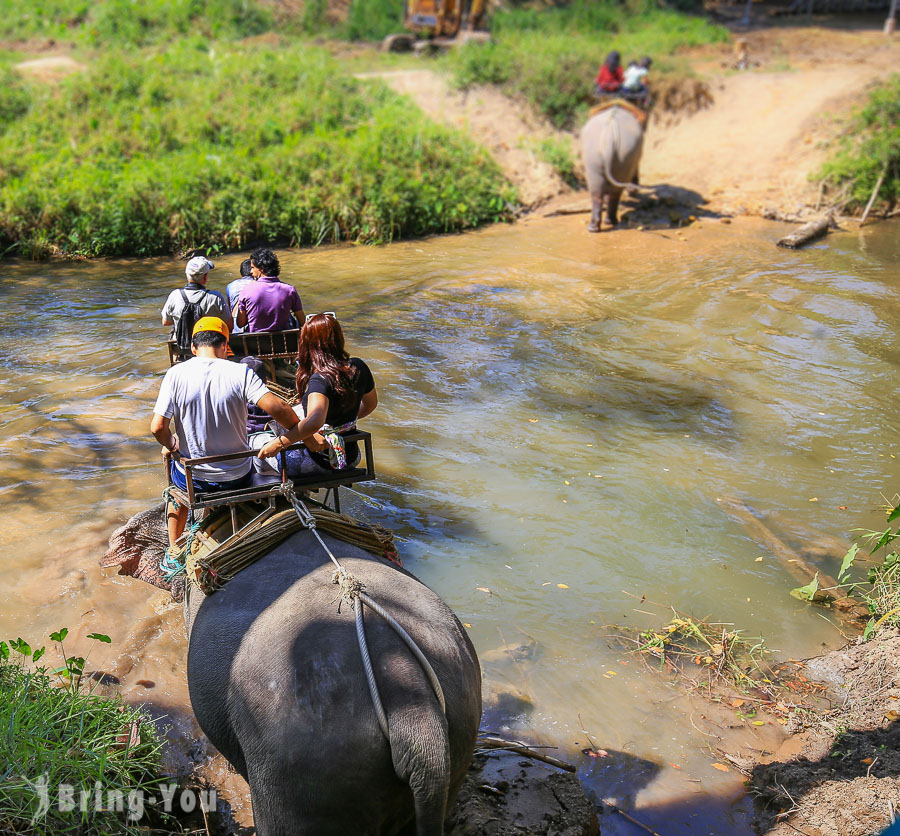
column 753, row 150
column 510, row 131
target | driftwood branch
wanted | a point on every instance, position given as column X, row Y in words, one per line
column 491, row 742
column 848, row 609
column 630, row 818
column 875, row 191
column 808, row 232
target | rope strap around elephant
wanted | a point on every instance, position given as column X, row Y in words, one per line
column 351, row 591
column 212, row 570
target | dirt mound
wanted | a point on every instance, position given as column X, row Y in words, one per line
column 841, row 777
column 506, row 795
column 677, row 97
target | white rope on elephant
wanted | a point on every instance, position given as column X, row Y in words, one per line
column 352, row 591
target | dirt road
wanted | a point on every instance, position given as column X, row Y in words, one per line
column 753, row 150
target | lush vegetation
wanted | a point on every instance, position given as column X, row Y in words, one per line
column 117, row 23
column 55, row 734
column 551, row 56
column 175, row 148
column 869, row 152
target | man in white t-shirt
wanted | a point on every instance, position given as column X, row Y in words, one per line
column 205, row 400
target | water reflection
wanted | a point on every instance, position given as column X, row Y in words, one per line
column 559, row 415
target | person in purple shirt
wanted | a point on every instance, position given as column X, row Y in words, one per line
column 266, row 304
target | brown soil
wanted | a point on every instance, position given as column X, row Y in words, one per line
column 840, row 777
column 751, row 149
column 510, row 130
column 50, row 68
column 507, row 795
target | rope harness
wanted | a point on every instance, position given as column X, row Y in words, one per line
column 352, row 593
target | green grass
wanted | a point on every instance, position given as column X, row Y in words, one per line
column 62, row 735
column 222, row 146
column 869, row 150
column 118, row 23
column 550, row 57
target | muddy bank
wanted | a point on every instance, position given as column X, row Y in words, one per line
column 840, row 775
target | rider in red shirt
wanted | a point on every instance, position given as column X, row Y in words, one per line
column 609, row 78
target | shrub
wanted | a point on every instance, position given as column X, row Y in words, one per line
column 178, row 149
column 372, row 20
column 869, row 150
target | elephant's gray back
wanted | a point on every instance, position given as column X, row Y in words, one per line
column 283, row 641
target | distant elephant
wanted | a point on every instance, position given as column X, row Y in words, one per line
column 611, row 145
column 278, row 685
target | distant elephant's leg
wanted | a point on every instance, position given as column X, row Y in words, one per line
column 612, row 208
column 596, row 211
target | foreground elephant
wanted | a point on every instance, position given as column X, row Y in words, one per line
column 278, row 685
column 611, row 145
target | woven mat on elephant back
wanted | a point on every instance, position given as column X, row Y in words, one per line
column 215, row 556
column 633, row 109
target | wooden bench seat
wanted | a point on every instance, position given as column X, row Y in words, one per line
column 265, row 486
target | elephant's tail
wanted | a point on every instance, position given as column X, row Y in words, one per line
column 607, row 170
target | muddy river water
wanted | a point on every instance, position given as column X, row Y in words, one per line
column 561, row 416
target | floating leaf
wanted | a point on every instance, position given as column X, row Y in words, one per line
column 868, row 760
column 466, row 624
column 533, row 420
column 737, row 703
column 814, row 499
column 562, row 585
column 759, row 723
column 808, row 592
column 721, row 767
column 758, row 560
column 483, row 589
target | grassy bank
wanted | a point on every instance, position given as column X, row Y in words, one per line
column 56, row 736
column 868, row 153
column 167, row 149
column 550, row 57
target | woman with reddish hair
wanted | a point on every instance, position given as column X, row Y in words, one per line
column 337, row 390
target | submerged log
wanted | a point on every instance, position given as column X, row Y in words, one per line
column 848, row 609
column 808, row 232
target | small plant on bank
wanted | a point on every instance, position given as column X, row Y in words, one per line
column 72, row 760
column 867, row 159
column 881, row 590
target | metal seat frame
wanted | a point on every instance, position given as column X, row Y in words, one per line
column 198, row 501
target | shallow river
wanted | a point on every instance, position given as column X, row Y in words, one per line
column 560, row 416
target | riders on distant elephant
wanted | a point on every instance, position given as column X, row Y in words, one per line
column 610, row 75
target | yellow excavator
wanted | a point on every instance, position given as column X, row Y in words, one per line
column 439, row 23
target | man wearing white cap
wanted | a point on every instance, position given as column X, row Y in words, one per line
column 211, row 302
